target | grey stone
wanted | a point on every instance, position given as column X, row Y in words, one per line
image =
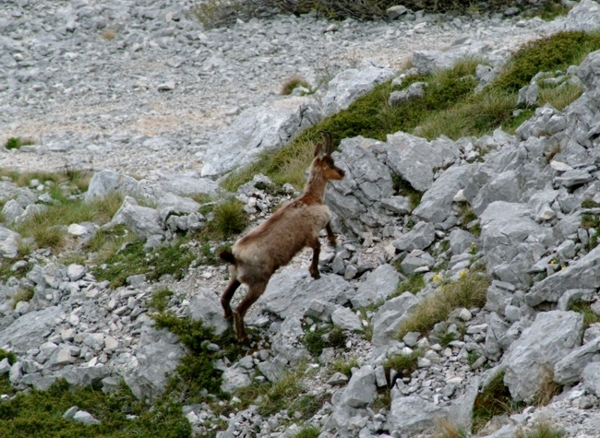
column 30, row 330
column 85, row 418
column 389, row 316
column 415, row 91
column 257, row 130
column 291, row 292
column 345, row 319
column 381, row 283
column 157, row 356
column 205, row 305
column 337, row 379
column 350, row 84
column 235, row 378
column 531, row 358
column 498, row 296
column 413, row 415
column 9, row 241
column 107, row 181
column 462, row 241
column 569, row 368
column 361, row 389
column 428, row 61
column 420, row 237
column 143, row 221
column 320, row 309
column 436, row 202
column 273, row 369
column 580, row 274
column 357, row 198
column 394, row 12
column 591, row 378
column 69, row 413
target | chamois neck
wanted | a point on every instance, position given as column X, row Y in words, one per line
column 315, row 186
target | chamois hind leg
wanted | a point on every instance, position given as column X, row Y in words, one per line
column 314, row 266
column 330, row 235
column 256, row 290
column 228, row 295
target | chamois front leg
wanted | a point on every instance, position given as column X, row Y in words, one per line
column 330, row 235
column 314, row 266
column 228, row 295
column 256, row 290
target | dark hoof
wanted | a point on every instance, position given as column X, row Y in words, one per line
column 315, row 275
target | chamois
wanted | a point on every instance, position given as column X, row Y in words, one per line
column 256, row 256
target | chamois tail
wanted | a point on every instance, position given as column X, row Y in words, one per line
column 227, row 256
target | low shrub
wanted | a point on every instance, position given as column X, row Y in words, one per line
column 494, row 399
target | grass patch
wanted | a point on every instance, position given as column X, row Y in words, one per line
column 404, row 364
column 468, row 291
column 413, row 284
column 292, row 83
column 196, row 373
column 466, row 214
column 403, row 188
column 589, row 316
column 228, row 219
column 160, row 299
column 548, row 389
column 48, row 227
column 493, row 400
column 324, row 337
column 449, row 106
column 39, row 413
column 17, row 142
column 445, row 429
column 172, row 259
column 344, row 366
column 542, row 429
column 308, row 432
column 22, row 295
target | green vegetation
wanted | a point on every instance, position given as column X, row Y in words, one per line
column 344, row 366
column 450, row 107
column 445, row 429
column 196, row 373
column 160, row 299
column 133, row 260
column 413, row 284
column 404, row 364
column 493, row 400
column 403, row 188
column 48, row 227
column 468, row 291
column 17, row 142
column 229, row 218
column 292, row 83
column 323, row 337
column 308, row 432
column 283, row 395
column 542, row 429
column 22, row 295
column 589, row 316
column 39, row 413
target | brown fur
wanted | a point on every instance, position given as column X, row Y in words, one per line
column 256, row 256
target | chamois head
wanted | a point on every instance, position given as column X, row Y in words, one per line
column 323, row 162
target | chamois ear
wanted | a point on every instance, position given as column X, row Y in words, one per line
column 325, row 140
column 318, row 149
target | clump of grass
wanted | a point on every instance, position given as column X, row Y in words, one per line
column 548, row 389
column 494, row 399
column 589, row 203
column 12, row 357
column 172, row 259
column 324, row 337
column 196, row 370
column 468, row 291
column 589, row 221
column 445, row 429
column 229, row 218
column 404, row 364
column 292, row 83
column 559, row 97
column 22, row 295
column 466, row 214
column 40, row 413
column 48, row 227
column 542, row 429
column 17, row 142
column 109, row 34
column 308, row 432
column 344, row 366
column 413, row 284
column 552, row 9
column 403, row 188
column 160, row 298
column 589, row 316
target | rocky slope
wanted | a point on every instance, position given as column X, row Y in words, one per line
column 527, row 192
